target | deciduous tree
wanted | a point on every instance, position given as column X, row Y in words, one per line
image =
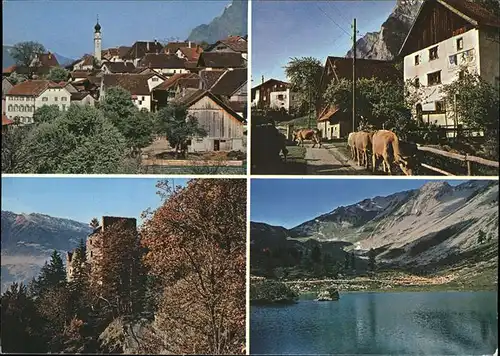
column 46, row 113
column 196, row 245
column 24, row 53
column 58, row 74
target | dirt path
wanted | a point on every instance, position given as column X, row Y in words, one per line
column 329, row 160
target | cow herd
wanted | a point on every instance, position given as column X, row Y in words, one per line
column 382, row 145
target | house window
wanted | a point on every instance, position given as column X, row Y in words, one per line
column 63, row 107
column 281, row 97
column 460, row 43
column 453, row 60
column 154, row 79
column 27, row 108
column 21, row 98
column 45, row 99
column 16, row 107
column 56, row 98
column 433, row 53
column 440, row 107
column 461, row 75
column 417, row 59
column 10, row 107
column 417, row 83
column 64, row 98
column 143, row 98
column 434, row 78
column 21, row 108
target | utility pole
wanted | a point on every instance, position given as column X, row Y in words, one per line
column 309, row 119
column 354, row 77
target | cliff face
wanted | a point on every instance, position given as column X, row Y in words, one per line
column 386, row 43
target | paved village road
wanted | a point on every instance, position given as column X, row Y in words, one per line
column 329, row 161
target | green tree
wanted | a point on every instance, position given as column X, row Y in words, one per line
column 138, row 130
column 20, row 322
column 371, row 259
column 353, row 261
column 52, row 274
column 316, row 254
column 25, row 52
column 81, row 141
column 174, row 123
column 14, row 156
column 46, row 113
column 491, row 5
column 16, row 78
column 476, row 102
column 58, row 74
column 347, row 261
column 118, row 106
column 94, row 223
column 305, row 75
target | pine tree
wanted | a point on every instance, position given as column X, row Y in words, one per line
column 353, row 261
column 371, row 259
column 94, row 223
column 20, row 322
column 51, row 275
column 346, row 261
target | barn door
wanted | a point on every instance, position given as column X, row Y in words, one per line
column 216, row 145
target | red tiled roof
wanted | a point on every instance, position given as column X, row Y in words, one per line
column 136, row 84
column 9, row 70
column 32, row 87
column 162, row 61
column 221, row 60
column 141, row 48
column 170, row 82
column 6, row 121
column 192, row 54
column 48, row 60
column 230, row 82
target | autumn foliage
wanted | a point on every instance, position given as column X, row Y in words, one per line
column 196, row 246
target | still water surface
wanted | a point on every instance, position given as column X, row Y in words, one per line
column 430, row 323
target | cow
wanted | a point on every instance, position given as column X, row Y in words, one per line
column 350, row 143
column 386, row 145
column 362, row 143
column 307, row 134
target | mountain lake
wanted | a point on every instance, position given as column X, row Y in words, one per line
column 429, row 323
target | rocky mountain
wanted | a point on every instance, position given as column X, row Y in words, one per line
column 434, row 225
column 29, row 239
column 7, row 59
column 385, row 44
column 233, row 21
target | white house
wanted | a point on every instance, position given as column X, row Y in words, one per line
column 140, row 87
column 446, row 39
column 24, row 98
column 82, row 98
column 224, row 126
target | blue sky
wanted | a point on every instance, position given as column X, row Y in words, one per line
column 81, row 199
column 67, row 26
column 289, row 202
column 285, row 29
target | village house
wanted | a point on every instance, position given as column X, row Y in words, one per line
column 6, row 123
column 232, row 44
column 117, row 67
column 223, row 125
column 140, row 48
column 172, row 47
column 140, row 87
column 6, row 86
column 166, row 64
column 220, row 60
column 92, row 244
column 82, row 98
column 24, row 98
column 447, row 38
column 173, row 87
column 114, row 54
column 190, row 54
column 333, row 122
column 274, row 94
column 232, row 88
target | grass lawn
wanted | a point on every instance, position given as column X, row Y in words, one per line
column 299, row 122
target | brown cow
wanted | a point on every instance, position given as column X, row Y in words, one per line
column 386, row 145
column 362, row 143
column 307, row 134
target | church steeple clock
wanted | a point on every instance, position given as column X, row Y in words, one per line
column 97, row 42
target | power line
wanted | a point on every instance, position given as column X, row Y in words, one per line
column 331, row 19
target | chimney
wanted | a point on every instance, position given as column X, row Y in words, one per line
column 147, row 46
column 262, row 80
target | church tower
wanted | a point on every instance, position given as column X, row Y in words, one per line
column 97, row 41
